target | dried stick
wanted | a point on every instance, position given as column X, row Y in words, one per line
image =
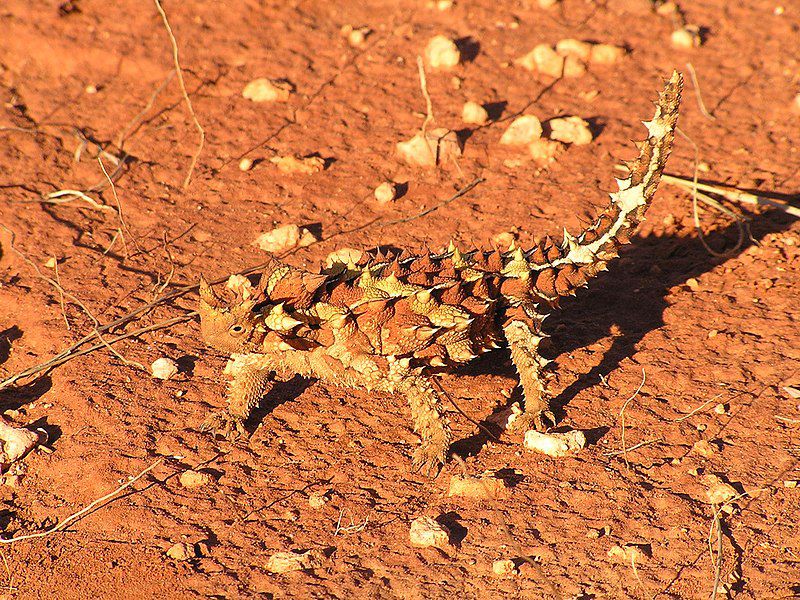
column 58, row 197
column 129, row 129
column 119, row 206
column 423, row 83
column 179, row 72
column 75, row 516
column 60, row 294
column 696, row 85
column 622, row 417
column 698, row 409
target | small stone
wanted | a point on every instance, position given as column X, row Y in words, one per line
column 543, row 59
column 548, row 3
column 479, row 488
column 318, row 500
column 293, row 164
column 693, row 284
column 627, row 553
column 439, row 146
column 386, row 192
column 790, row 483
column 570, row 130
column 796, row 104
column 245, row 164
column 442, row 53
column 194, row 479
column 343, row 256
column 606, row 54
column 51, row 263
column 91, row 89
column 594, row 533
column 426, row 532
column 572, row 47
column 523, row 130
column 285, row 237
column 686, row 37
column 545, row 151
column 721, row 409
column 284, row 562
column 718, row 491
column 268, row 90
column 164, row 368
column 473, row 113
column 356, row 36
column 504, row 239
column 555, row 444
column 182, row 551
column 704, row 448
column 504, row 567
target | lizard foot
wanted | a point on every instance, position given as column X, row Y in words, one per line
column 225, row 424
column 540, row 420
column 429, row 459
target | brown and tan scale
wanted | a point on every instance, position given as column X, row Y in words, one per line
column 383, row 324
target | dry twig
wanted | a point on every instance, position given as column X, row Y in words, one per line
column 179, row 72
column 60, row 526
column 622, row 418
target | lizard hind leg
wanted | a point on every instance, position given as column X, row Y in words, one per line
column 426, row 413
column 523, row 342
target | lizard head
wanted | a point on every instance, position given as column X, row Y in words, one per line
column 230, row 326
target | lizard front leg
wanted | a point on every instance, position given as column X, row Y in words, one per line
column 249, row 382
column 524, row 345
column 426, row 414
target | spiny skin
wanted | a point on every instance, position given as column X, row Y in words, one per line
column 384, row 323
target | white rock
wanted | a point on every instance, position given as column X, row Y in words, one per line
column 570, row 130
column 426, row 532
column 386, row 192
column 718, row 491
column 573, row 47
column 546, row 60
column 442, row 53
column 421, row 153
column 194, row 479
column 284, row 562
column 545, row 151
column 16, row 442
column 356, row 36
column 318, row 500
column 164, row 368
column 686, row 37
column 182, row 551
column 285, row 237
column 504, row 567
column 268, row 90
column 627, row 553
column 606, row 54
column 293, row 164
column 523, row 130
column 474, row 114
column 245, row 164
column 555, row 444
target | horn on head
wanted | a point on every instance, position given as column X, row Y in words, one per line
column 208, row 295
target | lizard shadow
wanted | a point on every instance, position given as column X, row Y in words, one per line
column 280, row 392
column 630, row 297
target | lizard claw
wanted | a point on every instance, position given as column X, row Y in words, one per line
column 428, row 460
column 224, row 424
column 541, row 420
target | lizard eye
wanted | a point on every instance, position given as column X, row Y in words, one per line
column 236, row 329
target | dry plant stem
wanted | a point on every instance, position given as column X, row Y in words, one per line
column 731, row 193
column 75, row 299
column 423, row 83
column 60, row 294
column 716, row 523
column 622, row 418
column 119, row 206
column 64, row 196
column 129, row 129
column 697, row 410
column 696, row 85
column 74, row 517
column 179, row 72
column 634, row 447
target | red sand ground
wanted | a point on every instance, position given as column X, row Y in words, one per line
column 702, row 328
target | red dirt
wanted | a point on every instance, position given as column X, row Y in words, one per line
column 702, row 328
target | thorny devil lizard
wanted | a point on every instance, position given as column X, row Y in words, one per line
column 388, row 322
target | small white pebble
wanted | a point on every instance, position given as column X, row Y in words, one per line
column 51, row 263
column 245, row 164
column 385, row 192
column 426, row 532
column 293, row 164
column 504, row 567
column 570, row 130
column 285, row 237
column 193, row 479
column 790, row 483
column 555, row 444
column 523, row 130
column 182, row 551
column 91, row 89
column 474, row 114
column 318, row 500
column 627, row 553
column 687, row 37
column 717, row 490
column 164, row 368
column 439, row 146
column 268, row 90
column 442, row 53
column 721, row 409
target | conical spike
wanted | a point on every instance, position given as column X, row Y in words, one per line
column 208, row 296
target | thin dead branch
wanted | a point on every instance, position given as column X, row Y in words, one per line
column 60, row 526
column 179, row 72
column 700, row 103
column 624, row 451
